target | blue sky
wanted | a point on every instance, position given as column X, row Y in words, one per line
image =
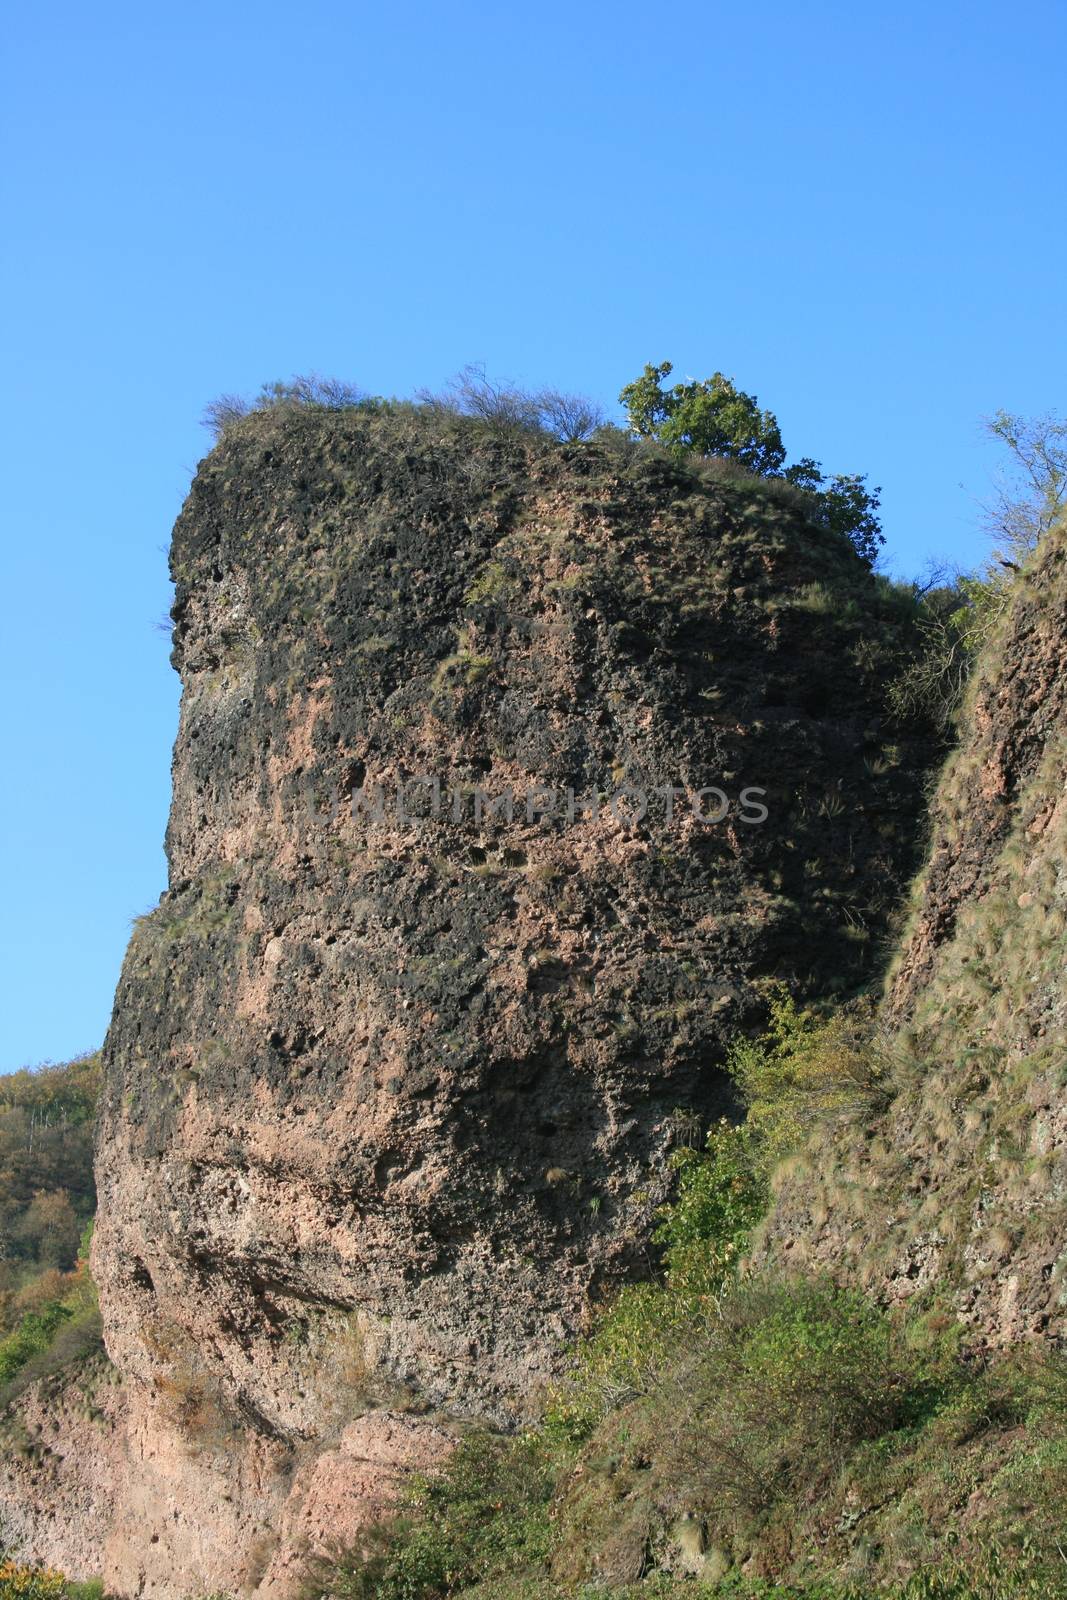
column 856, row 212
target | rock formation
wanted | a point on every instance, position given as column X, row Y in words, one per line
column 389, row 1087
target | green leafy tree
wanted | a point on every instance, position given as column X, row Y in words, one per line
column 843, row 503
column 716, row 418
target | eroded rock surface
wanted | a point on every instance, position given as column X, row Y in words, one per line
column 63, row 1468
column 386, row 1098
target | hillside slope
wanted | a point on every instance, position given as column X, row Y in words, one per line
column 958, row 1190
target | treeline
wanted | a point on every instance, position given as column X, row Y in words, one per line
column 47, row 1196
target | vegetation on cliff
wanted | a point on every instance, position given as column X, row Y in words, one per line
column 22, row 1581
column 738, row 1432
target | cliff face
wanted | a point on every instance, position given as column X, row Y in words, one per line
column 385, row 1087
column 958, row 1191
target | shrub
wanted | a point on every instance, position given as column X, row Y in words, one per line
column 620, row 1360
column 309, row 391
column 220, row 414
column 485, row 1516
column 805, row 1068
column 788, row 1378
column 954, row 620
column 569, row 417
column 30, row 1583
column 801, row 1069
column 505, row 405
column 312, row 391
column 1031, row 498
column 509, row 408
column 33, row 1335
column 721, row 1195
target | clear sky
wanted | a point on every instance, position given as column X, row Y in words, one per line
column 855, row 210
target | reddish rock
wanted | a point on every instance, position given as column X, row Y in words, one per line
column 388, row 1099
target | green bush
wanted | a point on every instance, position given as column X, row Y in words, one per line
column 804, row 1069
column 721, row 1195
column 786, row 1380
column 18, row 1582
column 33, row 1335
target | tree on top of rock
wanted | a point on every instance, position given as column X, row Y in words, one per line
column 716, row 418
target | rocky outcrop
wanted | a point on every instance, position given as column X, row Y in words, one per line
column 389, row 1087
column 63, row 1467
column 957, row 1192
column 97, row 1476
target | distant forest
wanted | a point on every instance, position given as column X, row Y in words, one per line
column 47, row 1197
